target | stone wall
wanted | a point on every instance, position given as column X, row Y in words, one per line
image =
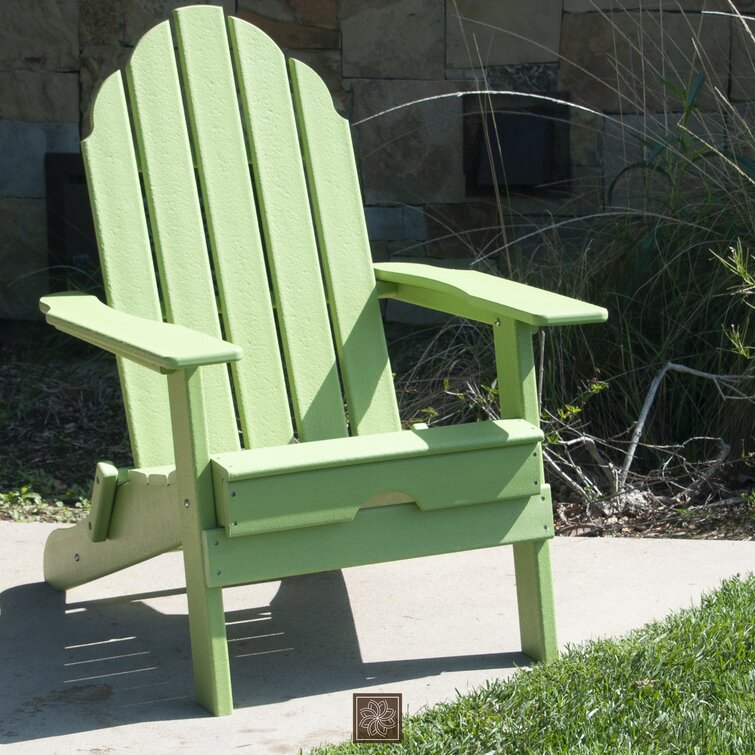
column 607, row 56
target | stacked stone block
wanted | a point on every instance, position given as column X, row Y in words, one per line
column 39, row 112
column 609, row 57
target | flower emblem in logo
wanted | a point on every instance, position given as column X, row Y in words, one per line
column 377, row 719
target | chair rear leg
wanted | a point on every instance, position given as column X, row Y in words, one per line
column 534, row 590
column 143, row 525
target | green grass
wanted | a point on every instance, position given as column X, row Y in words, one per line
column 682, row 685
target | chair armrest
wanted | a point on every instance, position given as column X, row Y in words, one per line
column 161, row 346
column 480, row 296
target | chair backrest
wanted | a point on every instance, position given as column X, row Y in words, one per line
column 275, row 259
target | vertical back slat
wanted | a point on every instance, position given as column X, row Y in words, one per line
column 222, row 163
column 289, row 236
column 176, row 219
column 345, row 256
column 126, row 259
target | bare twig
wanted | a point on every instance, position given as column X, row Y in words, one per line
column 540, row 371
column 562, row 513
column 575, row 486
column 714, row 464
column 588, row 483
column 718, row 380
column 733, row 501
column 608, row 469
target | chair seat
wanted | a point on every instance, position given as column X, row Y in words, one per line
column 324, row 482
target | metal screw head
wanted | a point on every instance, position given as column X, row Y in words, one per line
column 76, row 557
column 216, row 542
column 233, row 493
column 497, row 322
column 186, row 503
column 218, row 573
column 234, row 523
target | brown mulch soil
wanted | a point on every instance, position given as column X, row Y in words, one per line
column 61, row 412
column 720, row 519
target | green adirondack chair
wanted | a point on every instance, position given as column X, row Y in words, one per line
column 293, row 460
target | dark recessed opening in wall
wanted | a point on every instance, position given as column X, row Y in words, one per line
column 522, row 150
column 74, row 263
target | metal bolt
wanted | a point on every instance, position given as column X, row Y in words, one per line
column 76, row 557
column 233, row 493
column 217, row 542
column 218, row 573
column 545, row 526
column 234, row 523
column 535, row 482
column 497, row 322
column 186, row 503
column 534, row 453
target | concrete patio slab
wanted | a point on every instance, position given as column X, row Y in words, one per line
column 106, row 667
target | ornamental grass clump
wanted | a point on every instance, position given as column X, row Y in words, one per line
column 666, row 388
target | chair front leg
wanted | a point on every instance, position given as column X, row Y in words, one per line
column 517, row 390
column 209, row 645
column 534, row 594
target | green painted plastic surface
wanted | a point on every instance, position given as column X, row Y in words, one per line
column 534, row 591
column 345, row 255
column 515, row 367
column 289, row 234
column 323, row 482
column 380, row 534
column 254, row 236
column 479, row 296
column 126, row 263
column 144, row 524
column 417, row 442
column 103, row 500
column 191, row 438
column 164, row 154
column 232, row 228
column 157, row 345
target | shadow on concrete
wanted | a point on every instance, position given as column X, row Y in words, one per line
column 103, row 663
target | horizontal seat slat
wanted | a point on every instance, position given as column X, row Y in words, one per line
column 326, row 482
column 264, row 462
